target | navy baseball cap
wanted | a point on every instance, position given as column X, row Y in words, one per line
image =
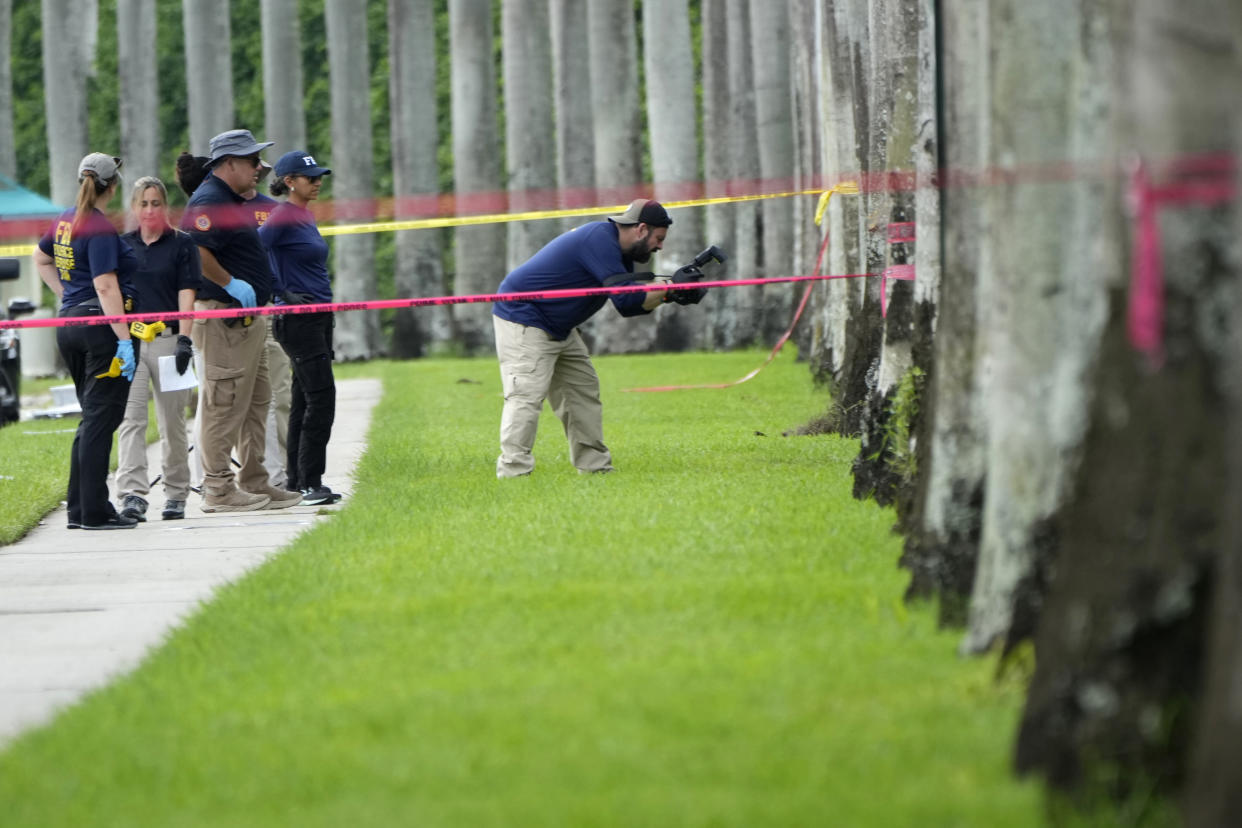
column 299, row 163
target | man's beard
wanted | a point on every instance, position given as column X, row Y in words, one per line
column 640, row 251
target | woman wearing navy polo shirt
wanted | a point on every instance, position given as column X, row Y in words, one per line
column 167, row 279
column 85, row 263
column 299, row 257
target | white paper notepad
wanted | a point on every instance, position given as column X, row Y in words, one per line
column 170, row 380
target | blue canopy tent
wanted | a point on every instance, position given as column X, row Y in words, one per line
column 24, row 217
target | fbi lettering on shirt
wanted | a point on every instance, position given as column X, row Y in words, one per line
column 62, row 249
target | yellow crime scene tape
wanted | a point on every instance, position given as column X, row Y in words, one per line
column 534, row 215
column 497, row 218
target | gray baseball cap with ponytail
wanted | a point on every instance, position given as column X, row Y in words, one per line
column 104, row 166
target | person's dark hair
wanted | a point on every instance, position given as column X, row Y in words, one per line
column 278, row 187
column 191, row 170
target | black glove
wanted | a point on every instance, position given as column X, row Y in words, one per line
column 292, row 297
column 689, row 273
column 688, row 296
column 184, row 353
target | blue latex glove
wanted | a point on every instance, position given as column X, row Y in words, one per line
column 241, row 291
column 125, row 353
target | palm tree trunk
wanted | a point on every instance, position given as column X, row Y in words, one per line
column 673, row 131
column 415, row 175
column 808, row 125
column 575, row 136
column 139, row 86
column 8, row 143
column 1026, row 311
column 1143, row 547
column 770, row 56
column 68, row 52
column 284, row 112
column 618, row 150
column 357, row 333
column 529, row 124
column 717, row 166
column 741, row 308
column 208, row 70
column 480, row 251
column 941, row 550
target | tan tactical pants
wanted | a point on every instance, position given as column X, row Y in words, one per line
column 535, row 367
column 234, row 397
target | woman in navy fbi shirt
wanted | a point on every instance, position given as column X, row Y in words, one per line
column 87, row 265
column 299, row 257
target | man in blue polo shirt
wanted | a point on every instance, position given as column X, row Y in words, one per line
column 542, row 355
column 236, row 389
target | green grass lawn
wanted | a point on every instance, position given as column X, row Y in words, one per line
column 34, row 463
column 712, row 635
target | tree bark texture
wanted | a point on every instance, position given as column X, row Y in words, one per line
column 1067, row 482
column 529, row 127
column 1145, row 562
column 834, row 304
column 480, row 251
column 808, row 124
column 357, row 334
column 770, row 56
column 139, row 87
column 846, row 320
column 1044, row 312
column 68, row 52
column 719, row 222
column 893, row 31
column 8, row 141
column 1213, row 796
column 208, row 71
column 673, row 132
column 284, row 113
column 942, row 541
column 575, row 133
column 618, row 151
column 415, row 176
column 737, row 321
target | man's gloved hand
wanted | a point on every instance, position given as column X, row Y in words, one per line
column 241, row 291
column 689, row 273
column 687, row 296
column 183, row 354
column 125, row 353
column 292, row 297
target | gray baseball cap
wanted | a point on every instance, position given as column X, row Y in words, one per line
column 104, row 166
column 235, row 142
column 643, row 211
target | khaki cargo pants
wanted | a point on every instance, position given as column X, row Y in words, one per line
column 535, row 367
column 235, row 394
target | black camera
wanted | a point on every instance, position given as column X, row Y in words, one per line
column 692, row 273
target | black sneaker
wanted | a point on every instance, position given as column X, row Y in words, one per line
column 114, row 522
column 134, row 508
column 174, row 510
column 319, row 496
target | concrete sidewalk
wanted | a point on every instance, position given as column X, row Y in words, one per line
column 79, row 608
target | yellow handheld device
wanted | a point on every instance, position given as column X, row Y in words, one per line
column 146, row 331
column 114, row 370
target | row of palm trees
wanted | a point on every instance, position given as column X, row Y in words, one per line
column 582, row 106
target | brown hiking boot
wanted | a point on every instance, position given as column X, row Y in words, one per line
column 280, row 498
column 234, row 501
